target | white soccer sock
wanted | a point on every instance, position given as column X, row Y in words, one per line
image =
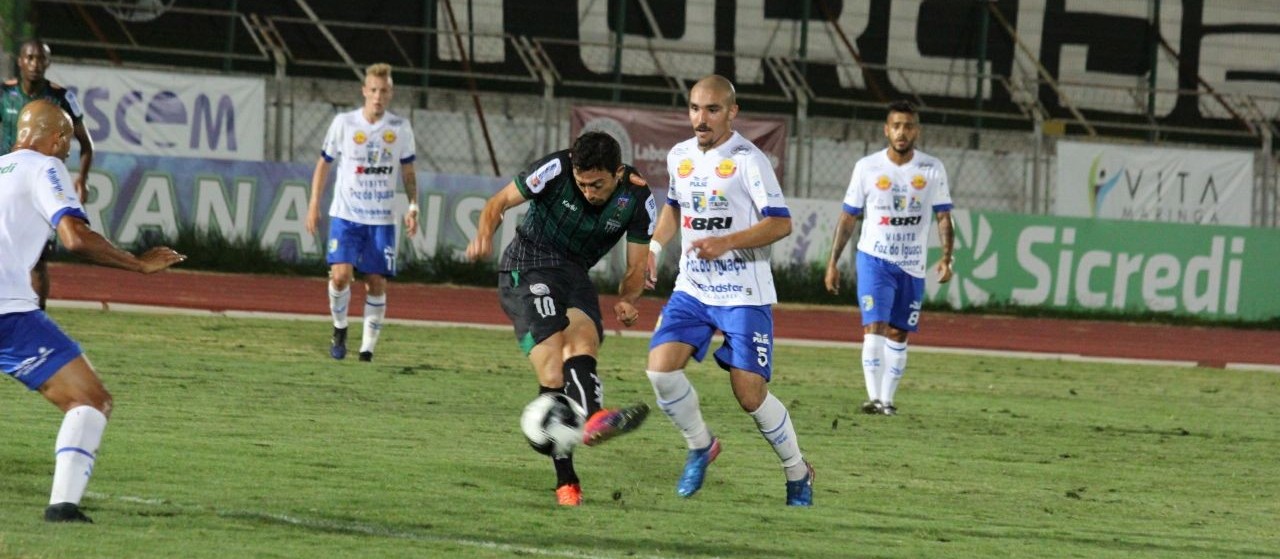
column 338, row 303
column 873, row 363
column 679, row 401
column 895, row 364
column 775, row 424
column 375, row 310
column 74, row 453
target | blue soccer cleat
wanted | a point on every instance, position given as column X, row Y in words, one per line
column 338, row 346
column 695, row 468
column 800, row 492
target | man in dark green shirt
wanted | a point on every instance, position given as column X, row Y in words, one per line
column 583, row 200
column 33, row 61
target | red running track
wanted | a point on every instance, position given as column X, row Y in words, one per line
column 1212, row 347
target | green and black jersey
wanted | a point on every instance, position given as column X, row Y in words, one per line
column 12, row 99
column 562, row 227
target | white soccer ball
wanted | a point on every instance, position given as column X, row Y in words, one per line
column 553, row 423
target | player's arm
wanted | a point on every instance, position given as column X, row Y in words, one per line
column 662, row 234
column 845, row 227
column 76, row 235
column 411, row 190
column 490, row 217
column 947, row 235
column 633, row 283
column 768, row 231
column 318, row 179
column 86, row 161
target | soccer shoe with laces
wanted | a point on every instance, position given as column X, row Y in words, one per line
column 569, row 495
column 695, row 468
column 800, row 492
column 338, row 345
column 606, row 424
column 889, row 409
column 65, row 512
column 872, row 407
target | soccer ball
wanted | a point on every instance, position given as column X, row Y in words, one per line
column 553, row 423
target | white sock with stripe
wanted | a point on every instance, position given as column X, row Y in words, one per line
column 375, row 311
column 873, row 363
column 895, row 364
column 775, row 424
column 678, row 399
column 338, row 303
column 74, row 453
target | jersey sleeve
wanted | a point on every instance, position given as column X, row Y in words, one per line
column 55, row 194
column 71, row 105
column 673, row 196
column 855, row 198
column 763, row 186
column 532, row 182
column 640, row 230
column 942, row 195
column 332, row 148
column 409, row 147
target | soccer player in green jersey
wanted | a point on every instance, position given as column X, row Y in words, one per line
column 583, row 200
column 33, row 61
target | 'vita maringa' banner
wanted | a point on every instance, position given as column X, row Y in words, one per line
column 1141, row 183
column 1086, row 264
column 1072, row 263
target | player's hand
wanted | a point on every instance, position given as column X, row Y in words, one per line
column 944, row 270
column 479, row 248
column 159, row 258
column 411, row 222
column 313, row 219
column 82, row 190
column 833, row 280
column 710, row 248
column 638, row 180
column 627, row 313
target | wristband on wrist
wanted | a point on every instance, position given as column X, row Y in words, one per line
column 413, row 207
column 655, row 247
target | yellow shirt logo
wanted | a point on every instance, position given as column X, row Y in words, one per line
column 883, row 183
column 389, row 137
column 360, row 138
column 685, row 168
column 918, row 182
column 726, row 168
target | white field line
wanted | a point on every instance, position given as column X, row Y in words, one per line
column 367, row 529
column 1050, row 356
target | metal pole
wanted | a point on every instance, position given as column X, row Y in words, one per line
column 1270, row 183
column 1037, row 159
column 1154, row 57
column 975, row 139
column 429, row 25
column 804, row 39
column 619, row 32
column 231, row 37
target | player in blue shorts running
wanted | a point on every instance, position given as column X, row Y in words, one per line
column 37, row 195
column 726, row 200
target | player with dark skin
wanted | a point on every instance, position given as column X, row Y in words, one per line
column 33, row 61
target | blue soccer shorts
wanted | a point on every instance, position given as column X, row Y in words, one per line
column 748, row 332
column 371, row 249
column 886, row 293
column 33, row 348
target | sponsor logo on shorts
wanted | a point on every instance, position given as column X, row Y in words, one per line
column 32, row 363
column 868, row 303
column 333, row 245
column 539, row 289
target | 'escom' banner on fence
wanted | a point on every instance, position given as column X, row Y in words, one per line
column 1078, row 263
column 1209, row 271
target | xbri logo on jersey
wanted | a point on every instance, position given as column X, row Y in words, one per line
column 910, row 220
column 707, row 223
column 379, row 170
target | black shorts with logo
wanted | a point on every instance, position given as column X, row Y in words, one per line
column 538, row 301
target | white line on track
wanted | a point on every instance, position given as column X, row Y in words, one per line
column 1075, row 357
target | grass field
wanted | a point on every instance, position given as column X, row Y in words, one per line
column 241, row 438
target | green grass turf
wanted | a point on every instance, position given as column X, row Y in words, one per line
column 241, row 438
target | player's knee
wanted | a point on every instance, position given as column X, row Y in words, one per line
column 104, row 402
column 750, row 402
column 340, row 281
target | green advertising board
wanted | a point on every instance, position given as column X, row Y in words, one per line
column 1215, row 272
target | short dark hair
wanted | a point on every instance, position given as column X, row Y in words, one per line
column 902, row 106
column 596, row 150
